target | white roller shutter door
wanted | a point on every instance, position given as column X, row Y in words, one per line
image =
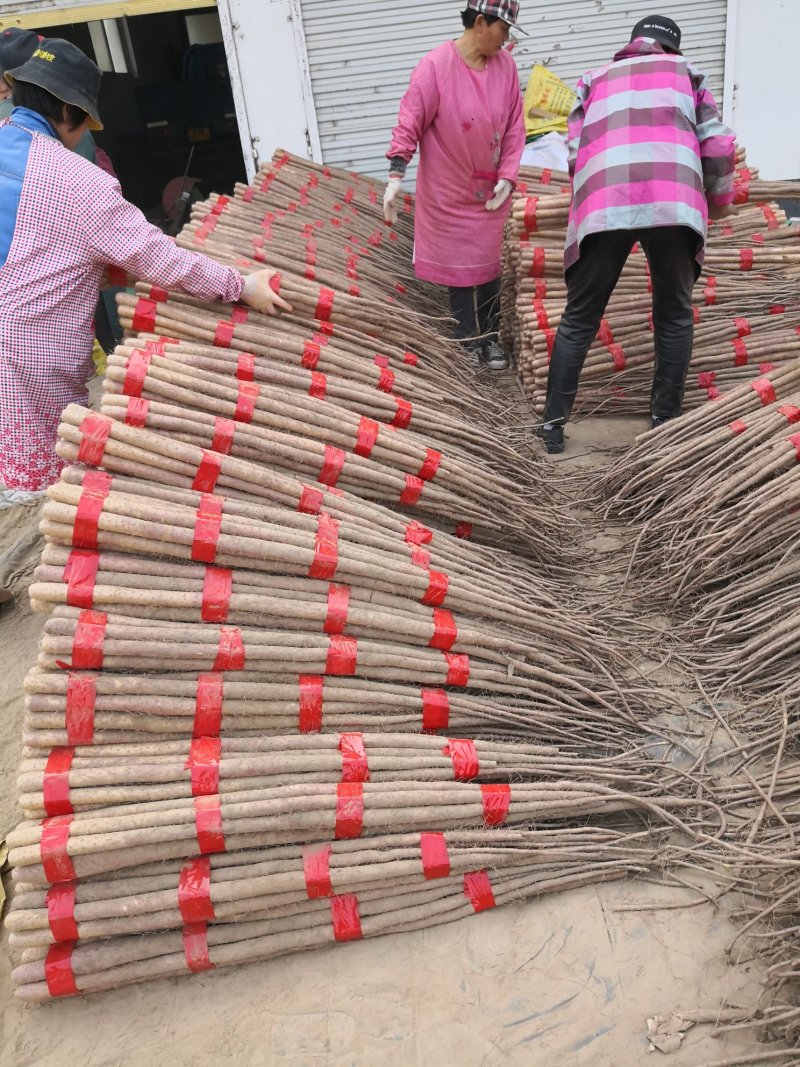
column 361, row 54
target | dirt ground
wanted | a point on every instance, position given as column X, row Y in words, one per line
column 566, row 981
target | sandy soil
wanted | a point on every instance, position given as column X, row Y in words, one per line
column 566, row 981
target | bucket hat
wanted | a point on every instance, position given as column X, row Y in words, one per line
column 64, row 70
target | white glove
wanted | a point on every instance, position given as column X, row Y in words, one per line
column 390, row 198
column 259, row 294
column 502, row 191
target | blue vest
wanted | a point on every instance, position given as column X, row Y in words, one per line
column 15, row 145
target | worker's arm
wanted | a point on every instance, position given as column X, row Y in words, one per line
column 418, row 109
column 575, row 126
column 514, row 137
column 717, row 145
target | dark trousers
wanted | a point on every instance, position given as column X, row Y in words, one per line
column 670, row 252
column 476, row 310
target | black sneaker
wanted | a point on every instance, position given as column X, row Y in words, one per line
column 655, row 422
column 552, row 437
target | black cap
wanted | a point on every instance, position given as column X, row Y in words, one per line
column 16, row 46
column 661, row 29
column 63, row 70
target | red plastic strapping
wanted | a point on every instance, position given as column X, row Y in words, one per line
column 342, row 656
column 159, row 347
column 317, row 871
column 746, row 256
column 310, row 500
column 710, row 294
column 203, row 765
column 349, row 810
column 765, row 368
column 430, row 466
column 310, row 713
column 311, row 354
column 402, row 416
column 248, row 194
column 539, row 260
column 332, row 465
column 366, row 437
column 529, row 220
column 758, row 238
column 737, row 426
column 457, row 669
column 95, row 488
column 79, row 716
column 246, row 367
column 435, row 710
column 80, row 574
column 434, row 855
column 208, row 824
column 60, row 903
column 195, row 947
column 541, row 314
column 324, row 305
column 777, row 309
column 434, row 595
column 706, row 378
column 355, row 767
column 208, row 705
column 411, row 359
column 205, row 481
column 87, row 644
column 604, row 334
column 790, row 413
column 58, row 971
column 326, row 549
column 445, row 631
column 338, row 607
column 741, row 192
column 412, row 491
column 346, row 918
column 714, row 393
column 144, row 316
column 764, row 390
column 230, row 653
column 696, row 315
column 464, row 531
column 770, row 216
column 618, row 356
column 496, row 802
column 223, row 334
column 136, row 412
column 550, row 340
column 222, row 441
column 547, row 176
column 417, row 534
column 386, row 380
column 540, row 289
column 55, row 783
column 421, row 557
column 478, row 890
column 194, row 891
column 56, row 863
column 319, row 385
column 94, row 431
column 381, row 361
column 246, row 402
column 740, row 355
column 327, row 329
column 464, row 756
column 207, row 528
column 136, row 370
column 217, row 589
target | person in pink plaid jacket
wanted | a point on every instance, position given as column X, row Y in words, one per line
column 63, row 222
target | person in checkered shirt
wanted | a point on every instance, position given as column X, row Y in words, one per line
column 63, row 222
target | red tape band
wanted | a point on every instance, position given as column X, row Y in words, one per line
column 207, row 529
column 355, row 767
column 746, row 256
column 194, row 891
column 80, row 574
column 317, row 871
column 208, row 470
column 435, row 710
column 159, row 347
column 445, row 631
column 431, row 465
column 478, row 890
column 529, row 219
column 55, row 783
column 764, row 390
column 246, row 403
column 349, row 810
column 230, row 653
column 434, row 595
column 136, row 370
column 217, row 590
column 338, row 607
column 366, row 437
column 346, row 918
column 539, row 261
column 740, row 352
column 618, row 356
column 325, row 305
column 144, row 316
column 770, row 216
column 208, row 706
column 319, row 385
column 542, row 320
column 203, row 765
column 246, row 367
column 457, row 669
column 604, row 334
column 411, row 359
column 464, row 756
column 239, row 313
column 326, row 549
column 738, row 426
column 402, row 417
column 95, row 486
column 342, row 656
column 743, row 327
column 434, row 855
column 765, row 368
column 222, row 441
column 310, row 501
column 464, row 531
column 195, row 947
column 223, row 335
column 412, row 491
column 421, row 557
column 79, row 716
column 547, row 176
column 496, row 801
column 550, row 340
column 60, row 903
column 386, row 380
column 87, row 644
column 310, row 716
column 540, row 289
column 311, row 355
column 706, row 378
column 332, row 465
column 710, row 295
column 790, row 413
column 777, row 309
column 136, row 412
column 95, row 431
column 58, row 971
column 208, row 824
column 417, row 534
column 56, row 863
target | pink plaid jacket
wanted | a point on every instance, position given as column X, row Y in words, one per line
column 71, row 224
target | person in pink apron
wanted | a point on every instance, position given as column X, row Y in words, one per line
column 463, row 110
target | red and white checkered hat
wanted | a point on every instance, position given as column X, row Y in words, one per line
column 507, row 10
